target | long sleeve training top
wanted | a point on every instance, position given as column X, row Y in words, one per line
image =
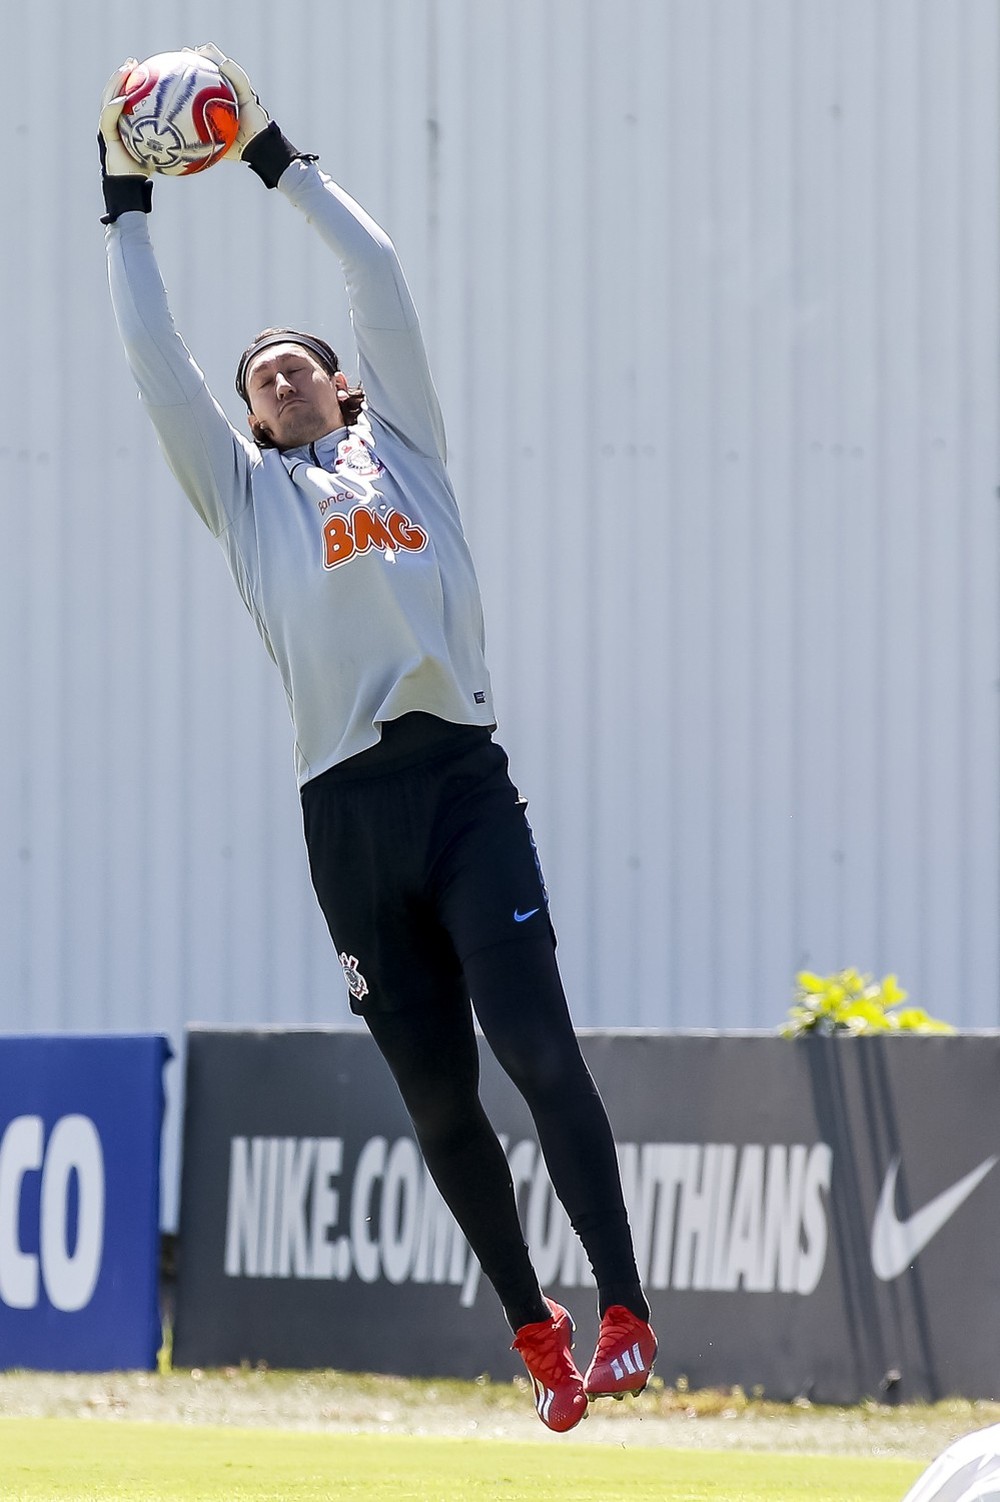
column 349, row 554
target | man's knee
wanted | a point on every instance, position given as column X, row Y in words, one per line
column 440, row 1111
column 549, row 1072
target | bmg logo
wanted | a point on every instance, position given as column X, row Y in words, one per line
column 70, row 1202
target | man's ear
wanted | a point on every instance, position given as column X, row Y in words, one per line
column 258, row 430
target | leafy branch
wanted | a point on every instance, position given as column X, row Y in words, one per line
column 849, row 1002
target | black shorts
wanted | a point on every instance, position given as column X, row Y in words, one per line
column 421, row 856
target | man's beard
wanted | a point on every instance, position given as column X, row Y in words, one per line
column 300, row 424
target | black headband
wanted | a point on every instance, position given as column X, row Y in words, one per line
column 318, row 347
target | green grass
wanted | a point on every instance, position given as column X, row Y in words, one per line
column 79, row 1460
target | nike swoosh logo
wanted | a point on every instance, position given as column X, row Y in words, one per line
column 520, row 917
column 896, row 1243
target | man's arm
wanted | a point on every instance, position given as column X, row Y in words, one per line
column 393, row 361
column 209, row 458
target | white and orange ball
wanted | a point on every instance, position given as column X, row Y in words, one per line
column 180, row 113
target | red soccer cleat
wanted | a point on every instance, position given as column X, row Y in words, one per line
column 545, row 1350
column 623, row 1361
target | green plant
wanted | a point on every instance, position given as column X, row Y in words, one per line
column 849, row 1002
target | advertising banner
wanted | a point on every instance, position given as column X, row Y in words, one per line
column 80, row 1122
column 815, row 1218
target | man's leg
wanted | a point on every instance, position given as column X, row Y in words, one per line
column 521, row 1006
column 434, row 1059
column 522, row 1009
column 489, row 893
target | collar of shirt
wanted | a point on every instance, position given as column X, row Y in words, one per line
column 322, row 453
column 325, row 448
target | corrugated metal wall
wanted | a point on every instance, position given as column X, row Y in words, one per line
column 711, row 293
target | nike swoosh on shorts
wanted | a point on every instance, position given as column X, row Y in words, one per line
column 896, row 1243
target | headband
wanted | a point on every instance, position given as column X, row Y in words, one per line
column 318, row 347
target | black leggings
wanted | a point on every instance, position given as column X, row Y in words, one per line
column 433, row 1055
column 426, row 872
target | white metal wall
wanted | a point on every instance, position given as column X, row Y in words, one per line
column 711, row 293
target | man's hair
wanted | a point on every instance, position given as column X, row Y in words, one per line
column 353, row 400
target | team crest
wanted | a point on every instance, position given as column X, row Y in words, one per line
column 356, row 456
column 356, row 983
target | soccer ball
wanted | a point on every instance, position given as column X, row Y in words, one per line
column 180, row 113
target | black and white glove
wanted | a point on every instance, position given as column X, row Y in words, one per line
column 258, row 141
column 126, row 184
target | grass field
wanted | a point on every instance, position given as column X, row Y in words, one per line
column 76, row 1460
column 260, row 1436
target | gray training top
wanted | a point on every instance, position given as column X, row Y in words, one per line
column 349, row 555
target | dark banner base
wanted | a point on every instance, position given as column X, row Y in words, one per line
column 814, row 1218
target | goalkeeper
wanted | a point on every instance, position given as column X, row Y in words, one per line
column 343, row 536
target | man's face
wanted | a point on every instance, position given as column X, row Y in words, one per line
column 293, row 397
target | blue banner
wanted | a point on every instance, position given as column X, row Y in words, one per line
column 80, row 1122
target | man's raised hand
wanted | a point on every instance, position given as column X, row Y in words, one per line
column 115, row 160
column 253, row 116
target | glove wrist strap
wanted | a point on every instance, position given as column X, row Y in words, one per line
column 125, row 195
column 269, row 153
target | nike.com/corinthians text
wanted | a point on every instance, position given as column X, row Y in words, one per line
column 713, row 1216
